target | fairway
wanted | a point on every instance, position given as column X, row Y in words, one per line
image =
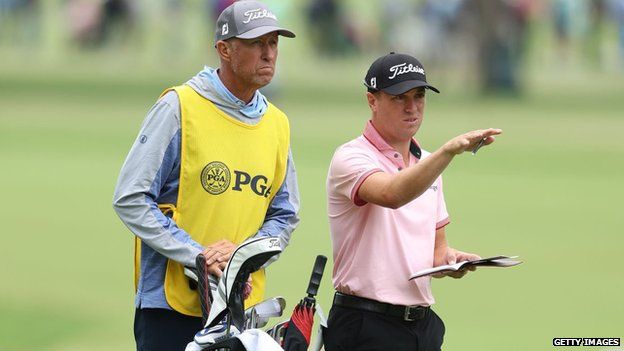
column 550, row 190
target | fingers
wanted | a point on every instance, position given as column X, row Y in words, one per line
column 247, row 289
column 214, row 269
column 472, row 141
column 483, row 134
column 458, row 274
column 220, row 251
column 217, row 256
column 226, row 247
column 438, row 275
column 490, row 132
column 484, row 137
column 479, row 134
column 472, row 257
column 465, row 256
column 211, row 254
column 451, row 256
column 453, row 274
column 225, row 257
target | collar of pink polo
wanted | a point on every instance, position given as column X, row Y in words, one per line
column 372, row 135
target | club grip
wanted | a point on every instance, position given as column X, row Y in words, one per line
column 317, row 275
column 203, row 287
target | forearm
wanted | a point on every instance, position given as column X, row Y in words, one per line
column 413, row 181
column 147, row 222
column 151, row 165
column 441, row 247
column 396, row 190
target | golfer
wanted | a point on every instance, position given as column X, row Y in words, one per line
column 387, row 218
column 211, row 167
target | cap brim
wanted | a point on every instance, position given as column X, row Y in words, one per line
column 260, row 31
column 406, row 86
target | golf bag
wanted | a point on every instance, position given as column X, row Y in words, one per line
column 229, row 327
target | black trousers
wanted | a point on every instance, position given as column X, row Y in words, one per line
column 356, row 330
column 157, row 329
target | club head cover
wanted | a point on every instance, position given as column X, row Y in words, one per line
column 248, row 257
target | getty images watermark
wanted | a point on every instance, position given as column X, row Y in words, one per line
column 586, row 341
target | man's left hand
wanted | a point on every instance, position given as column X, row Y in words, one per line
column 453, row 256
column 217, row 256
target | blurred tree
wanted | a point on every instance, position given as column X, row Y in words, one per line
column 616, row 8
column 401, row 29
column 440, row 19
column 593, row 38
column 572, row 20
column 20, row 23
column 95, row 23
column 500, row 35
column 84, row 20
column 118, row 21
column 329, row 32
column 561, row 12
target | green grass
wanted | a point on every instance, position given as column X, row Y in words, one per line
column 549, row 190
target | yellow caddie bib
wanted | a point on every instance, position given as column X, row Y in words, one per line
column 229, row 173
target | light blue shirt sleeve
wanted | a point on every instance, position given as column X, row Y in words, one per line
column 282, row 216
column 149, row 176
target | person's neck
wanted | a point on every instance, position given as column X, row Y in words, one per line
column 238, row 89
column 401, row 146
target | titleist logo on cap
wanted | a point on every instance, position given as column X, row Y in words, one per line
column 257, row 14
column 403, row 68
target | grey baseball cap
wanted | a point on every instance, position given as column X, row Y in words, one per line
column 248, row 20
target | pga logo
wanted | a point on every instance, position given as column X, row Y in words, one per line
column 257, row 183
column 216, row 178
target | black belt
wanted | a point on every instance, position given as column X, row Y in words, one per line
column 407, row 313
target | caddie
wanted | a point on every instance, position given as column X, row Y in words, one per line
column 210, row 167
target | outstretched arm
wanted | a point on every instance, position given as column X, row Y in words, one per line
column 396, row 190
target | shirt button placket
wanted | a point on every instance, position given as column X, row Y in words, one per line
column 396, row 156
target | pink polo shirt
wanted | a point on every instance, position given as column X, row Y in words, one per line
column 376, row 249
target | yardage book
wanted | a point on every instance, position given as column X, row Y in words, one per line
column 496, row 261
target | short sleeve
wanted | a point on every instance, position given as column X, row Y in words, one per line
column 349, row 168
column 442, row 214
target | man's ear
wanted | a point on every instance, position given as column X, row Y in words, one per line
column 224, row 50
column 372, row 101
